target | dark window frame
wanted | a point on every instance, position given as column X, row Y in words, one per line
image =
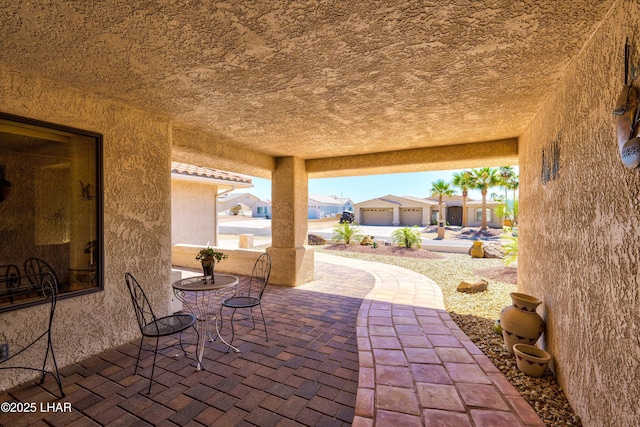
column 95, row 283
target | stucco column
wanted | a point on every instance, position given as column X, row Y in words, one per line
column 292, row 263
column 426, row 216
column 396, row 216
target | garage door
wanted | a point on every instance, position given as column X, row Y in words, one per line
column 410, row 216
column 374, row 216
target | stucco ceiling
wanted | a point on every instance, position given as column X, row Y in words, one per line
column 310, row 78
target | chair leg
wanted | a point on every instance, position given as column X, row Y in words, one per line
column 181, row 346
column 56, row 372
column 233, row 330
column 264, row 323
column 220, row 317
column 138, row 359
column 153, row 367
column 253, row 319
column 44, row 364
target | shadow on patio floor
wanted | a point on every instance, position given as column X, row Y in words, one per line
column 306, row 374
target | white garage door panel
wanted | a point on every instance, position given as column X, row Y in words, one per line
column 411, row 216
column 373, row 216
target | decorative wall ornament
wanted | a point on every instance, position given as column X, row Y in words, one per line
column 551, row 160
column 86, row 191
column 627, row 113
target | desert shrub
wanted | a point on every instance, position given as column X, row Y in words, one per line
column 348, row 233
column 407, row 237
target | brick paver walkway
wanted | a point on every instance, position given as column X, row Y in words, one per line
column 417, row 368
column 364, row 343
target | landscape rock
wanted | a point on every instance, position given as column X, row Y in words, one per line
column 493, row 250
column 367, row 240
column 472, row 286
column 315, row 239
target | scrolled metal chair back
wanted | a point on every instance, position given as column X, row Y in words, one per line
column 48, row 288
column 35, row 268
column 141, row 305
column 260, row 276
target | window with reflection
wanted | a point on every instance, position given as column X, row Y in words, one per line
column 50, row 210
column 479, row 215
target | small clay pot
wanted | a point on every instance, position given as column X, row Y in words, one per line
column 530, row 359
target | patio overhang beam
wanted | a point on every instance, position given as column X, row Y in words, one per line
column 460, row 156
column 208, row 151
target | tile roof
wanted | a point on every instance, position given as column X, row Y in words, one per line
column 198, row 171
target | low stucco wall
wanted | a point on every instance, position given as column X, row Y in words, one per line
column 579, row 231
column 240, row 261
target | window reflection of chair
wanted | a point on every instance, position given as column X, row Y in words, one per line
column 250, row 295
column 48, row 288
column 35, row 268
column 9, row 280
column 155, row 327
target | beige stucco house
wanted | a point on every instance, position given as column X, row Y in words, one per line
column 394, row 211
column 340, row 90
column 194, row 202
column 453, row 207
column 245, row 201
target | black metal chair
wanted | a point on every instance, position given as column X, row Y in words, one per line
column 155, row 327
column 250, row 294
column 48, row 288
column 35, row 268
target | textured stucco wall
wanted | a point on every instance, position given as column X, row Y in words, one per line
column 193, row 213
column 136, row 221
column 579, row 233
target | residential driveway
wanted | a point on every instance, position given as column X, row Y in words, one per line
column 455, row 240
column 262, row 227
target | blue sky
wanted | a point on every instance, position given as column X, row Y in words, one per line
column 361, row 188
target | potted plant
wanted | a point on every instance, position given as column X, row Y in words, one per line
column 208, row 258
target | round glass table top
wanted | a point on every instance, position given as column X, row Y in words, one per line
column 200, row 283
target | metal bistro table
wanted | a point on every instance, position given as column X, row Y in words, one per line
column 201, row 303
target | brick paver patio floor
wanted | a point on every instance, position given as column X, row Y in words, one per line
column 364, row 344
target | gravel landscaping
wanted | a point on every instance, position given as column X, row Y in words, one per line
column 476, row 314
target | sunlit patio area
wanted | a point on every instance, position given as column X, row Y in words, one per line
column 363, row 342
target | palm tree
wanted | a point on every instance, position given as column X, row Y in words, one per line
column 440, row 189
column 463, row 180
column 483, row 179
column 506, row 173
column 513, row 184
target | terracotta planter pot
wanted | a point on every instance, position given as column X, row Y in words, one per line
column 520, row 322
column 531, row 360
column 476, row 250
